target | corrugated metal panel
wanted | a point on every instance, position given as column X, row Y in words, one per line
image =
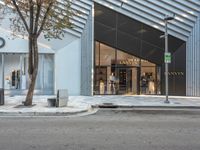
column 193, row 61
column 150, row 12
column 87, row 41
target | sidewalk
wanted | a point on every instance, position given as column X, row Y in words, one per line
column 13, row 107
column 82, row 104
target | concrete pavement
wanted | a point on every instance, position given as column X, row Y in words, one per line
column 83, row 104
column 102, row 131
column 13, row 107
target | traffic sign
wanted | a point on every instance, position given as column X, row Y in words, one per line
column 167, row 57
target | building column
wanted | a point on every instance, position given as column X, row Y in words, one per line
column 2, row 65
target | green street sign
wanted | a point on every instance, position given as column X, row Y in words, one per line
column 167, row 58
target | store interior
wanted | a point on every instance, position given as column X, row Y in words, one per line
column 117, row 72
column 14, row 73
column 133, row 53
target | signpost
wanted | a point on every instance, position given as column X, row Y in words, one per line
column 167, row 57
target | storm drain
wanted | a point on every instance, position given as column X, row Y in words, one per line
column 107, row 105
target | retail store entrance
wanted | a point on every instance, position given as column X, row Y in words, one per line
column 119, row 73
column 126, row 80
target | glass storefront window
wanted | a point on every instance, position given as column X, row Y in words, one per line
column 148, row 77
column 127, row 59
column 122, row 73
column 16, row 73
column 107, row 55
column 148, row 80
column 147, row 63
column 12, row 71
column 105, row 58
column 48, row 71
column 97, row 47
column 39, row 80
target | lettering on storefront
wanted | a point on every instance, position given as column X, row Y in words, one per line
column 176, row 73
column 131, row 61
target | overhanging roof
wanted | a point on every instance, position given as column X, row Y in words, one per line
column 150, row 12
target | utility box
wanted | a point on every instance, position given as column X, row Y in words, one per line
column 61, row 100
column 1, row 96
column 62, row 97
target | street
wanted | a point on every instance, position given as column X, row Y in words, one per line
column 101, row 131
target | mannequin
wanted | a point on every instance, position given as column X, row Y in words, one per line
column 144, row 83
column 102, row 89
column 112, row 83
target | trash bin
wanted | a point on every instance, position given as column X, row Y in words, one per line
column 1, row 96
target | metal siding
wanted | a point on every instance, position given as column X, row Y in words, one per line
column 87, row 57
column 193, row 63
column 187, row 68
column 198, row 56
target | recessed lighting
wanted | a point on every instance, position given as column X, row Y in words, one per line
column 142, row 31
column 98, row 12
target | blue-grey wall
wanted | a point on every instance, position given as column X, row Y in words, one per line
column 87, row 44
column 193, row 61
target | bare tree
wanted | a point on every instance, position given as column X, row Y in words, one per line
column 33, row 17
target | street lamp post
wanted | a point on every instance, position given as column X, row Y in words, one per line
column 166, row 19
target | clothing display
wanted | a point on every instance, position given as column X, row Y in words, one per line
column 102, row 87
column 151, row 87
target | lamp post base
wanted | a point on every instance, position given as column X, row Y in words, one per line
column 166, row 101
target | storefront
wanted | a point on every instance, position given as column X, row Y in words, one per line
column 117, row 72
column 115, row 48
column 128, row 57
column 14, row 73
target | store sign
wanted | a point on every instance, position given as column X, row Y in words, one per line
column 167, row 58
column 176, row 73
column 134, row 61
column 2, row 42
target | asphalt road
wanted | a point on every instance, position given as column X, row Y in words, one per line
column 103, row 131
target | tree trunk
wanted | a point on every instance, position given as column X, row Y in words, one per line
column 33, row 69
column 29, row 96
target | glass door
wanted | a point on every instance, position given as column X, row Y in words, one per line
column 126, row 81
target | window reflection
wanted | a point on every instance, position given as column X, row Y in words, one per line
column 107, row 55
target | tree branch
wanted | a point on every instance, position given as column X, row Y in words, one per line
column 37, row 15
column 31, row 16
column 20, row 14
column 44, row 19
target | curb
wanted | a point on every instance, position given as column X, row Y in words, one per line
column 44, row 114
column 145, row 106
column 152, row 111
column 167, row 110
